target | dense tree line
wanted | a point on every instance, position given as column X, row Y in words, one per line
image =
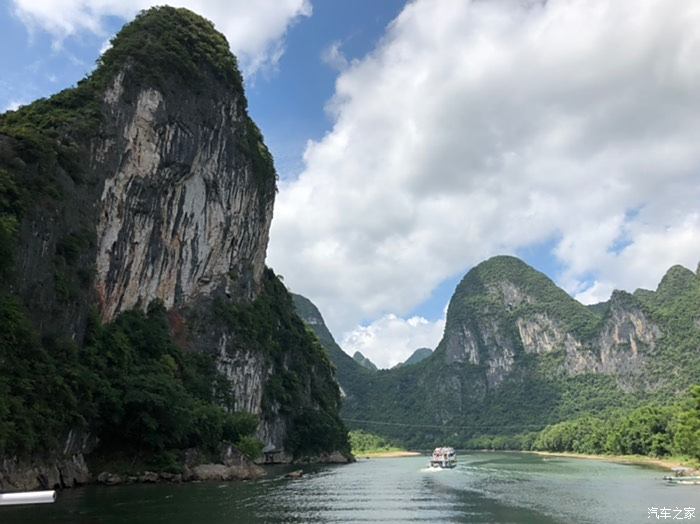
column 364, row 442
column 129, row 385
column 655, row 430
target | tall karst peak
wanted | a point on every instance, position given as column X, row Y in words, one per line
column 518, row 350
column 149, row 184
column 190, row 169
column 160, row 138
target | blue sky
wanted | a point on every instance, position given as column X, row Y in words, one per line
column 415, row 140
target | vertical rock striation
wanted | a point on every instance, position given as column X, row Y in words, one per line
column 181, row 214
column 150, row 182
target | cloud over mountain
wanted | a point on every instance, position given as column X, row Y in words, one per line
column 477, row 128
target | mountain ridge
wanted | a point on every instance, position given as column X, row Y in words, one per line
column 519, row 353
column 418, row 355
column 364, row 361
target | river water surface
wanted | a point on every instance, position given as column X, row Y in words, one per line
column 485, row 487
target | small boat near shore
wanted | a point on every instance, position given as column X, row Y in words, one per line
column 683, row 480
column 683, row 476
column 443, row 458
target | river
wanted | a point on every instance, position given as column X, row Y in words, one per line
column 485, row 487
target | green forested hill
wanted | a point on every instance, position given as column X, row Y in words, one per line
column 364, row 361
column 518, row 354
column 350, row 375
column 417, row 356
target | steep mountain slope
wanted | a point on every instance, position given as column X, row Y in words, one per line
column 147, row 188
column 519, row 353
column 418, row 355
column 350, row 375
column 364, row 361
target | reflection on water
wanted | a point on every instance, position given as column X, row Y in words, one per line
column 485, row 487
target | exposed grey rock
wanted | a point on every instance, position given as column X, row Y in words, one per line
column 170, row 477
column 461, row 346
column 175, row 205
column 60, row 470
column 110, row 479
column 149, row 477
column 335, row 457
column 223, row 472
column 180, row 213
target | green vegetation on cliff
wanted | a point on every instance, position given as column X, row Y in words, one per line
column 350, row 375
column 364, row 361
column 44, row 175
column 475, row 297
column 303, row 389
column 482, row 381
column 129, row 385
column 134, row 389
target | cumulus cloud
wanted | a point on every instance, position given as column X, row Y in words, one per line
column 254, row 30
column 391, row 339
column 478, row 128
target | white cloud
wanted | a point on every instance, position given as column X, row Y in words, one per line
column 656, row 247
column 14, row 105
column 106, row 45
column 477, row 128
column 255, row 30
column 391, row 339
column 334, row 57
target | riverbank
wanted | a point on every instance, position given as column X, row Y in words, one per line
column 386, row 454
column 643, row 460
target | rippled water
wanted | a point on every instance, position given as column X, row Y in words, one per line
column 485, row 487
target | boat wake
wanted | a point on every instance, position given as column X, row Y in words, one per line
column 433, row 470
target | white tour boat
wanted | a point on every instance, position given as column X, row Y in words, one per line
column 443, row 458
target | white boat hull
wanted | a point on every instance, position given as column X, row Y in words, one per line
column 442, row 465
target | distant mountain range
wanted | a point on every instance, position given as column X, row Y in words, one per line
column 364, row 361
column 418, row 355
column 518, row 353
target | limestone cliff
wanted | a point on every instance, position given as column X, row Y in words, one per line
column 181, row 213
column 149, row 183
column 503, row 309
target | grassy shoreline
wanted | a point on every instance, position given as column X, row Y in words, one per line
column 643, row 460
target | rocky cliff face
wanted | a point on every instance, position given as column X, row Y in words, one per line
column 67, row 469
column 150, row 182
column 180, row 214
column 512, row 310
